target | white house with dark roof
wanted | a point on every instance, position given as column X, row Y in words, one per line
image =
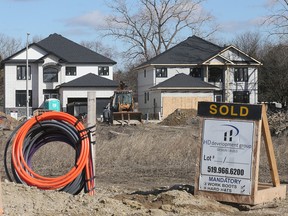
column 230, row 74
column 76, row 90
column 58, row 68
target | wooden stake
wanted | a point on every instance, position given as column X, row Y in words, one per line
column 91, row 122
column 269, row 148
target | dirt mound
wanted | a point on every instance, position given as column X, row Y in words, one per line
column 7, row 122
column 181, row 117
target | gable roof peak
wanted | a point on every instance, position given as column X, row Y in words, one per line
column 71, row 51
column 193, row 50
column 90, row 80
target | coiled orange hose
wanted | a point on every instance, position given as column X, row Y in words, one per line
column 84, row 161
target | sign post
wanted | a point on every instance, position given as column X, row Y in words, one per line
column 228, row 160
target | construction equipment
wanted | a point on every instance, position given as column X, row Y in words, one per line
column 121, row 109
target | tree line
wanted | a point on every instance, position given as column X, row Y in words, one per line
column 149, row 27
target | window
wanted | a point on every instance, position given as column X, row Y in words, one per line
column 50, row 93
column 54, row 96
column 21, row 72
column 146, row 97
column 241, row 97
column 50, row 74
column 215, row 75
column 195, row 72
column 218, row 98
column 21, row 98
column 46, row 97
column 161, row 72
column 241, row 74
column 103, row 71
column 70, row 71
column 144, row 72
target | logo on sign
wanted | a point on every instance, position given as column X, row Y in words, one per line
column 230, row 132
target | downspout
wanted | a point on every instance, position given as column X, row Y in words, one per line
column 226, row 94
column 205, row 78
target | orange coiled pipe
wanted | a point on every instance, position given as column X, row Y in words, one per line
column 40, row 130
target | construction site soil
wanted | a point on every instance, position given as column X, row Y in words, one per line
column 147, row 169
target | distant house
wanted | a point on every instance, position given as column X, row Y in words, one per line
column 58, row 68
column 205, row 72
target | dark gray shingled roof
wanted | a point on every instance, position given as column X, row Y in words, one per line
column 183, row 81
column 193, row 50
column 90, row 80
column 70, row 51
column 67, row 50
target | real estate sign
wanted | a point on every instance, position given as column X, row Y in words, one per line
column 226, row 158
column 227, row 166
column 227, row 147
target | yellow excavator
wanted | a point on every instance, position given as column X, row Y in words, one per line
column 121, row 109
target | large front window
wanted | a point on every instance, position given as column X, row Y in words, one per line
column 241, row 74
column 161, row 72
column 21, row 72
column 21, row 98
column 50, row 93
column 50, row 74
column 215, row 75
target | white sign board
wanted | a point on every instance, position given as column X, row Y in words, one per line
column 226, row 159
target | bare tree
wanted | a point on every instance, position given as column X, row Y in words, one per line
column 8, row 46
column 150, row 27
column 249, row 42
column 273, row 76
column 37, row 38
column 98, row 47
column 129, row 77
column 278, row 18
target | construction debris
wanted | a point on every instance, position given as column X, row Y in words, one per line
column 278, row 122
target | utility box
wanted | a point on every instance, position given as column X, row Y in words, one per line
column 52, row 104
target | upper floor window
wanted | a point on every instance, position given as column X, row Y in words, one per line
column 70, row 71
column 215, row 75
column 50, row 74
column 103, row 70
column 21, row 98
column 241, row 74
column 195, row 72
column 161, row 72
column 21, row 72
column 144, row 72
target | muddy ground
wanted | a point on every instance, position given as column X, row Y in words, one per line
column 147, row 169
